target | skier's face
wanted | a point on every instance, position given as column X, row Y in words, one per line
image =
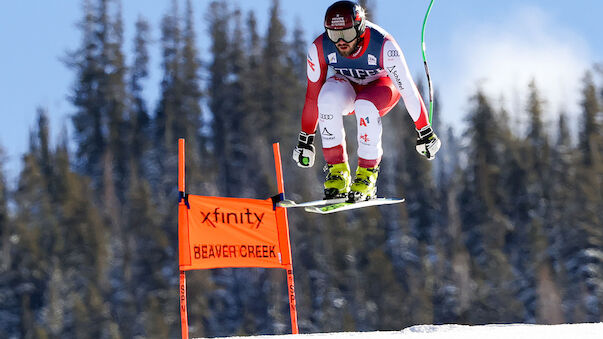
column 346, row 48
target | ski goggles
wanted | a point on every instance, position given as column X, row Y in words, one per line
column 347, row 35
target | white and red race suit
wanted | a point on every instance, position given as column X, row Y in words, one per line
column 368, row 83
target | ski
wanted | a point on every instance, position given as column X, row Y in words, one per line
column 291, row 203
column 345, row 206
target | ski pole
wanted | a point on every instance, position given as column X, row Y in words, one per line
column 425, row 62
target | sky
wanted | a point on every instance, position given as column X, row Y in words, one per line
column 498, row 46
column 515, row 331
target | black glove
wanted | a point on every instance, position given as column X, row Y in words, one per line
column 304, row 152
column 428, row 142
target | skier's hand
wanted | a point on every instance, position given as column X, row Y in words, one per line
column 428, row 142
column 304, row 152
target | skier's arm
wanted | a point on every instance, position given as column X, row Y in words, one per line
column 397, row 70
column 316, row 71
column 395, row 65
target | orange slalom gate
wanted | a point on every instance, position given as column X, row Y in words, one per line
column 217, row 232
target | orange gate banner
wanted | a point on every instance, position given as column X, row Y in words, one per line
column 216, row 232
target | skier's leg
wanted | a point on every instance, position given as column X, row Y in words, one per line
column 373, row 102
column 336, row 99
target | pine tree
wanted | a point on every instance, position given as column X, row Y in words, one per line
column 100, row 98
column 178, row 114
column 36, row 229
column 254, row 118
column 43, row 232
column 166, row 123
column 139, row 122
column 88, row 121
column 527, row 178
column 251, row 79
column 519, row 191
column 483, row 172
column 233, row 130
column 99, row 92
column 561, row 213
column 590, row 131
column 484, row 225
column 585, row 243
column 538, row 151
column 234, row 126
column 278, row 97
column 81, row 245
column 146, row 241
column 281, row 101
column 4, row 217
column 236, row 139
column 545, row 307
column 9, row 252
column 148, row 246
column 452, row 285
column 274, row 89
column 377, row 280
column 168, row 128
column 219, row 99
column 190, row 111
column 117, row 96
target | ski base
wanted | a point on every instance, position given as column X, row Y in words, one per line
column 346, row 206
column 291, row 203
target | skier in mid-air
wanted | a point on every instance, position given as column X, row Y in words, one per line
column 356, row 67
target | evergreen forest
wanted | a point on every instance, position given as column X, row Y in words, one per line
column 505, row 226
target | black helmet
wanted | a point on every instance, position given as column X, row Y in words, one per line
column 345, row 20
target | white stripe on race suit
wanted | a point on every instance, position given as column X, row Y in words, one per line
column 397, row 69
column 313, row 64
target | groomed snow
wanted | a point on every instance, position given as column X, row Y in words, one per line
column 511, row 331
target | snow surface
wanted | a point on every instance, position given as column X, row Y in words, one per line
column 510, row 331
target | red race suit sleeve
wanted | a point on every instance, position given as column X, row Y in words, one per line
column 316, row 71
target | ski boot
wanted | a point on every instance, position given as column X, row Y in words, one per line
column 364, row 186
column 337, row 182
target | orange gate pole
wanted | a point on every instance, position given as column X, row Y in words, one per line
column 183, row 313
column 287, row 254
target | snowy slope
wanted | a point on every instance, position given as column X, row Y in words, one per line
column 513, row 331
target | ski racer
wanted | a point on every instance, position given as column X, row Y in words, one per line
column 356, row 67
